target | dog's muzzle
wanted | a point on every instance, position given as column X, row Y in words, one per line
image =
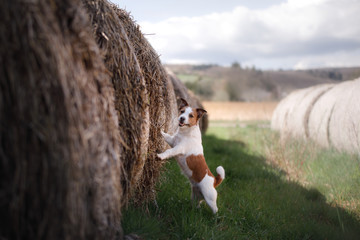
column 181, row 121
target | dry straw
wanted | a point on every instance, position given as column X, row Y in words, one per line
column 328, row 114
column 162, row 103
column 320, row 116
column 279, row 118
column 145, row 99
column 344, row 125
column 131, row 95
column 295, row 110
column 59, row 158
column 83, row 98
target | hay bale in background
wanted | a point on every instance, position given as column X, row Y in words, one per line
column 182, row 92
column 320, row 115
column 279, row 118
column 328, row 114
column 300, row 106
column 174, row 111
column 131, row 95
column 344, row 124
column 161, row 97
column 59, row 159
column 309, row 102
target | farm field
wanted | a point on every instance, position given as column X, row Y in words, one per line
column 272, row 190
column 239, row 111
column 219, row 83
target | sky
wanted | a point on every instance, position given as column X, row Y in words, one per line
column 267, row 34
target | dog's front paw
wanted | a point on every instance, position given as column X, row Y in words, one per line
column 162, row 156
column 163, row 133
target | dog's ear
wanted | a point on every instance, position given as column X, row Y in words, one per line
column 200, row 112
column 183, row 103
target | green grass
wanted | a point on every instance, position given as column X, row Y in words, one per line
column 258, row 199
column 188, row 78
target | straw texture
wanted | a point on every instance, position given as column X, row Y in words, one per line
column 59, row 159
column 327, row 114
column 131, row 95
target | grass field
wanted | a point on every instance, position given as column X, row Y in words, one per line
column 272, row 190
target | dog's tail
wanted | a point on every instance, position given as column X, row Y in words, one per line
column 220, row 177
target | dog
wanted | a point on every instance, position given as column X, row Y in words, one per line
column 186, row 147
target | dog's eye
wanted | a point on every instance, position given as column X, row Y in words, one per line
column 182, row 111
column 191, row 115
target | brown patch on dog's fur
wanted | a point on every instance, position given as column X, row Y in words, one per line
column 200, row 112
column 193, row 120
column 198, row 167
column 217, row 181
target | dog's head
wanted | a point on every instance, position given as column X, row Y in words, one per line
column 189, row 116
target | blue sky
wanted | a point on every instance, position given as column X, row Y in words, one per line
column 272, row 34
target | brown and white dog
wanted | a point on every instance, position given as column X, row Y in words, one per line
column 186, row 146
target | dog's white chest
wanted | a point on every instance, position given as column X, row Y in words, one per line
column 190, row 141
column 192, row 145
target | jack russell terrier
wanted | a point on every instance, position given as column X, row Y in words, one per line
column 186, row 146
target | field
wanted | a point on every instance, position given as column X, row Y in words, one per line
column 272, row 190
column 239, row 111
column 235, row 83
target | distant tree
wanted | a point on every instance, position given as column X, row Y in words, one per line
column 236, row 64
column 233, row 92
column 192, row 85
column 202, row 87
column 204, row 66
column 335, row 75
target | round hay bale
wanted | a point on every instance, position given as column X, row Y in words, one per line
column 320, row 115
column 344, row 124
column 277, row 118
column 131, row 95
column 182, row 92
column 311, row 99
column 174, row 111
column 59, row 158
column 280, row 114
column 327, row 114
column 300, row 106
column 160, row 100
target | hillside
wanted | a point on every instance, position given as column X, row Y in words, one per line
column 218, row 83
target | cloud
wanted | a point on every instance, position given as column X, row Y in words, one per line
column 295, row 29
column 337, row 59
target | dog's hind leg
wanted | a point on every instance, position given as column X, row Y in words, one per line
column 210, row 198
column 208, row 191
column 196, row 196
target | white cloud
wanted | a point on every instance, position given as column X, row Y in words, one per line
column 297, row 29
column 338, row 59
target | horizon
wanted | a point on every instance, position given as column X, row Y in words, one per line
column 262, row 69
